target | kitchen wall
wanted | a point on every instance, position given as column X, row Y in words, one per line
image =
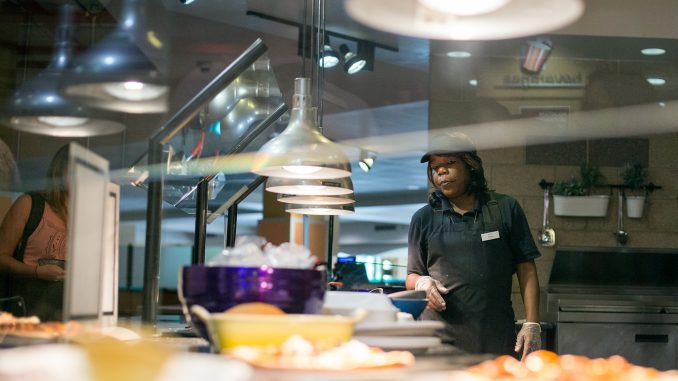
column 455, row 102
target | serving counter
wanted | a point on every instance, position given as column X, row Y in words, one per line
column 434, row 364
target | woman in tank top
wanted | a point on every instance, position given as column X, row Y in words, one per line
column 39, row 277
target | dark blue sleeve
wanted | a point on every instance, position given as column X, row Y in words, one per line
column 417, row 246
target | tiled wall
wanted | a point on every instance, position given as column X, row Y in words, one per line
column 658, row 228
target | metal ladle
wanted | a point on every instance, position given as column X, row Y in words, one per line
column 622, row 236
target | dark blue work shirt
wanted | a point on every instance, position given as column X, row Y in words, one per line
column 475, row 256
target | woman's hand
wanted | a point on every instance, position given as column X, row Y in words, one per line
column 52, row 273
column 433, row 289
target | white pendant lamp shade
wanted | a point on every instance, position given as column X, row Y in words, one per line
column 310, row 187
column 465, row 19
column 321, row 210
column 301, row 151
column 38, row 107
column 464, row 8
column 115, row 74
column 316, row 200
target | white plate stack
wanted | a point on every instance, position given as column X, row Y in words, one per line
column 414, row 336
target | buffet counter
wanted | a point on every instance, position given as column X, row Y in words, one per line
column 435, row 364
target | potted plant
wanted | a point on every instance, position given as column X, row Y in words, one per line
column 574, row 198
column 634, row 177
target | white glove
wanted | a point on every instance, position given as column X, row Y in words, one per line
column 433, row 290
column 529, row 339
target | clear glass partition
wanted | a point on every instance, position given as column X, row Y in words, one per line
column 238, row 120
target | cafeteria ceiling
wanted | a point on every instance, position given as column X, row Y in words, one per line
column 363, row 110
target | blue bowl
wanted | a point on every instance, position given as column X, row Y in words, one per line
column 411, row 306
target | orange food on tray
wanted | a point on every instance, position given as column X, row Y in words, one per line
column 298, row 353
column 32, row 327
column 544, row 365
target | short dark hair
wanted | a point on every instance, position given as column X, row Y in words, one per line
column 474, row 164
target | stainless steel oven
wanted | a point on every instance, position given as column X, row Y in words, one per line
column 610, row 301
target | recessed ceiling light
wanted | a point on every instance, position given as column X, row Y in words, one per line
column 656, row 81
column 458, row 54
column 662, row 104
column 653, row 51
column 473, row 82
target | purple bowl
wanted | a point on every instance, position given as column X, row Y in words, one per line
column 218, row 288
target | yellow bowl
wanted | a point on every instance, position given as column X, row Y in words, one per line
column 230, row 330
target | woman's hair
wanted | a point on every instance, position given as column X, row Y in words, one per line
column 56, row 192
column 474, row 164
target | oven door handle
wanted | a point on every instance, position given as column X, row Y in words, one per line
column 658, row 339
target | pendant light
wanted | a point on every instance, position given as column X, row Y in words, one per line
column 115, row 74
column 321, row 210
column 316, row 200
column 301, row 151
column 465, row 19
column 310, row 187
column 37, row 107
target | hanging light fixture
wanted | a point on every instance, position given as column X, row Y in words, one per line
column 115, row 74
column 37, row 107
column 301, row 151
column 322, row 210
column 310, row 187
column 316, row 200
column 466, row 19
column 464, row 8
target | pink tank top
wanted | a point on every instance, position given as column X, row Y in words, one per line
column 48, row 240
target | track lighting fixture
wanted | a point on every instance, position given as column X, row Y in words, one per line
column 366, row 160
column 353, row 63
column 363, row 59
column 328, row 56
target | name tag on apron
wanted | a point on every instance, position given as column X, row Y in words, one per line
column 490, row 235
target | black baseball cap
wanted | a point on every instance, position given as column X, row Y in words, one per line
column 446, row 144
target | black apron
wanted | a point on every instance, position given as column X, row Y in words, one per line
column 479, row 317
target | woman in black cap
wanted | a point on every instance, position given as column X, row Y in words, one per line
column 464, row 247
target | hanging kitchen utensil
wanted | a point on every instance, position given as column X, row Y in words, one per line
column 622, row 235
column 547, row 236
